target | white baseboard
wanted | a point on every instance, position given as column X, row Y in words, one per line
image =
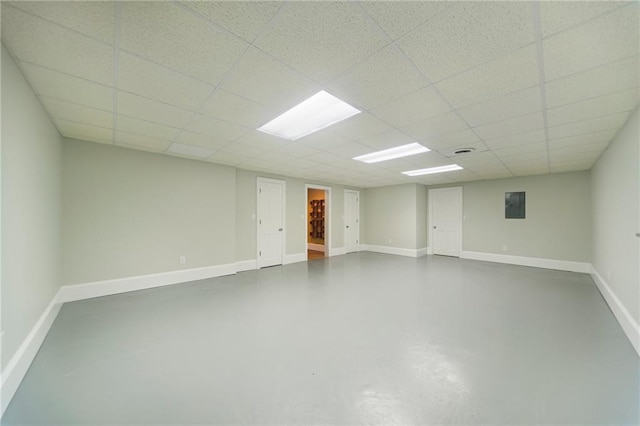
column 315, row 247
column 429, row 251
column 536, row 262
column 69, row 293
column 337, row 251
column 246, row 265
column 628, row 324
column 294, row 258
column 422, row 252
column 393, row 250
column 20, row 362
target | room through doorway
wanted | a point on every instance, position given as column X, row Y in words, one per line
column 317, row 235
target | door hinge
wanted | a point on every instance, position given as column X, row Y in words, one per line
column 260, row 190
column 260, row 222
column 260, row 253
column 357, row 242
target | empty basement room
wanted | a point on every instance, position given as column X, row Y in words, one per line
column 466, row 173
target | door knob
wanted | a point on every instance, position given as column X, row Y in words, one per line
column 347, row 226
column 280, row 229
column 434, row 227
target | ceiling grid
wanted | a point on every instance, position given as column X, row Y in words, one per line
column 532, row 87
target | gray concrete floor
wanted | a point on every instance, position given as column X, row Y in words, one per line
column 359, row 339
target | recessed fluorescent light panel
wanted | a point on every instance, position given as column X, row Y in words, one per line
column 319, row 111
column 191, row 151
column 391, row 153
column 431, row 170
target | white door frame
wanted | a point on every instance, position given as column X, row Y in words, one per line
column 429, row 221
column 259, row 180
column 327, row 218
column 346, row 191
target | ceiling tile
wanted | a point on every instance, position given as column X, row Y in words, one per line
column 526, row 160
column 153, row 81
column 243, row 149
column 72, row 129
column 141, row 142
column 419, row 105
column 577, row 150
column 614, row 121
column 599, row 81
column 517, row 139
column 173, row 37
column 359, row 127
column 556, row 16
column 605, row 39
column 199, row 140
column 227, row 158
column 594, row 137
column 145, row 128
column 230, row 107
column 505, row 107
column 306, row 35
column 452, row 140
column 150, row 110
column 436, row 126
column 530, row 171
column 57, row 85
column 382, row 77
column 74, row 112
column 496, row 174
column 92, row 18
column 214, row 127
column 511, row 73
column 244, row 18
column 264, row 80
column 469, row 34
column 387, row 140
column 522, row 149
column 595, row 107
column 512, row 126
column 351, row 149
column 570, row 167
column 323, row 140
column 38, row 41
column 399, row 18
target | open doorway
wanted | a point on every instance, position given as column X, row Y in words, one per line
column 317, row 235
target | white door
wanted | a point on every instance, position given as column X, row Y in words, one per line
column 351, row 221
column 270, row 222
column 445, row 220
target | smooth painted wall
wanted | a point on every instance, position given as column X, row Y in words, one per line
column 615, row 184
column 390, row 216
column 130, row 213
column 31, row 208
column 557, row 224
column 421, row 216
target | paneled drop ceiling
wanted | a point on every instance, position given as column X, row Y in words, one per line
column 535, row 88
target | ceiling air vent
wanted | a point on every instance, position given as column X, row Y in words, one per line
column 463, row 151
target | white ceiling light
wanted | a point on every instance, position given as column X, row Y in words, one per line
column 431, row 170
column 391, row 153
column 319, row 111
column 191, row 151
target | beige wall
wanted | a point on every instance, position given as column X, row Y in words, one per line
column 389, row 216
column 421, row 216
column 129, row 213
column 557, row 224
column 31, row 209
column 615, row 183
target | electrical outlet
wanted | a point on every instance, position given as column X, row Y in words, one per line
column 504, row 247
column 183, row 260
